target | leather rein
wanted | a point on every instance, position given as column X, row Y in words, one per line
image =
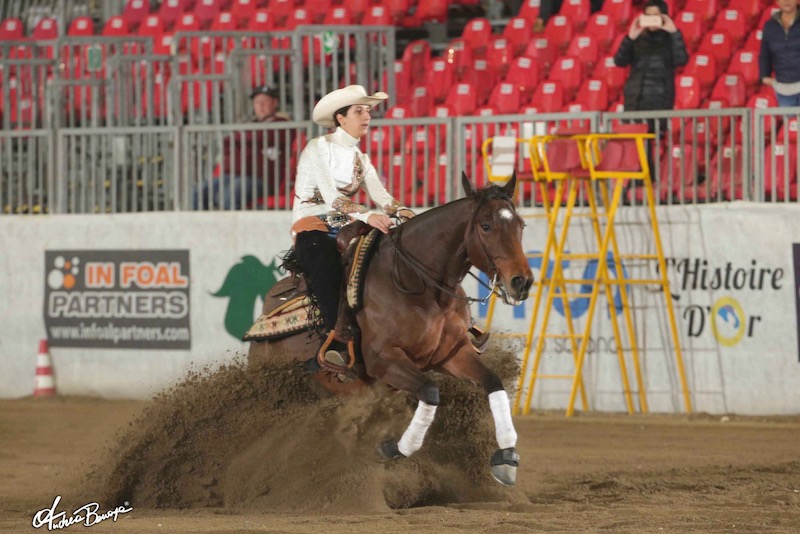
column 421, row 270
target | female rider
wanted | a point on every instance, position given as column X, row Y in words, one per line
column 330, row 172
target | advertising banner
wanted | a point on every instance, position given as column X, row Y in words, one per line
column 127, row 299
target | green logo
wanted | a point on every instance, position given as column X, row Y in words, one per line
column 246, row 281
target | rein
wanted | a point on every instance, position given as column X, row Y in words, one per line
column 420, row 269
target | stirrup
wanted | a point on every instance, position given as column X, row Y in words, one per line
column 479, row 339
column 334, row 360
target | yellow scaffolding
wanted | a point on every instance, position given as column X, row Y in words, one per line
column 594, row 175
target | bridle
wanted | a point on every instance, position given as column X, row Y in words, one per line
column 422, row 271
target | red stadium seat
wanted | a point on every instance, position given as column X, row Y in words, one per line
column 751, row 9
column 135, row 11
column 482, row 78
column 243, row 11
column 745, row 63
column 704, row 68
column 377, row 16
column 431, row 11
column 206, row 11
column 460, row 56
column 391, row 138
column 614, row 76
column 603, row 29
column 780, row 170
column 543, row 51
column 152, row 26
column 440, row 79
column 592, row 96
column 678, row 172
column 585, row 49
column 734, row 23
column 356, row 8
column 530, row 10
column 499, row 56
column 477, row 34
column 162, row 45
column 726, row 175
column 81, row 26
column 280, row 10
column 705, row 9
column 692, row 29
column 505, row 98
column 753, row 42
column 115, row 27
column 298, row 17
column 421, row 102
column 47, row 29
column 548, row 97
column 730, row 88
column 224, row 21
column 402, row 82
column 338, row 15
column 719, row 45
column 578, row 12
column 569, row 72
column 559, row 30
column 687, row 92
column 619, row 11
column 524, row 73
column 262, row 21
column 416, row 59
column 518, row 32
column 171, row 10
column 462, row 99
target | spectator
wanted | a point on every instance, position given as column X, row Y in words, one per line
column 780, row 53
column 653, row 53
column 548, row 8
column 251, row 160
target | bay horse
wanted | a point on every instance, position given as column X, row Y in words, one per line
column 415, row 315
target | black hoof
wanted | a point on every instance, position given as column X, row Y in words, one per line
column 388, row 450
column 504, row 466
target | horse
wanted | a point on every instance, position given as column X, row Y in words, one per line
column 415, row 315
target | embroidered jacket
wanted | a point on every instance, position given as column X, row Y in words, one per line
column 331, row 170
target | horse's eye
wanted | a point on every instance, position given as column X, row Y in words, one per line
column 486, row 227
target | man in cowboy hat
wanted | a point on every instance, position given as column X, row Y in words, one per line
column 331, row 170
column 252, row 161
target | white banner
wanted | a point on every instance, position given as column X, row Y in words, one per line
column 731, row 270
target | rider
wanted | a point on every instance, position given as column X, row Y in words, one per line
column 330, row 172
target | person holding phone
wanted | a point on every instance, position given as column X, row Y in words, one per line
column 653, row 49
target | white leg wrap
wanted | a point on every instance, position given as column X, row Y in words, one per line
column 415, row 433
column 503, row 426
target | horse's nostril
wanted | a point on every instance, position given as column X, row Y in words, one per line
column 518, row 283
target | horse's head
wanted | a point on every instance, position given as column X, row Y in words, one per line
column 494, row 239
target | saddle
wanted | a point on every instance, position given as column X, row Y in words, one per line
column 287, row 307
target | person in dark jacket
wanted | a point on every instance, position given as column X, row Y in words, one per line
column 653, row 54
column 252, row 161
column 780, row 53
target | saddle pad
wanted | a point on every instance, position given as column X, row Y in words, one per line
column 355, row 279
column 287, row 319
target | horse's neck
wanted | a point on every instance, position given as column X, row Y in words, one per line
column 436, row 238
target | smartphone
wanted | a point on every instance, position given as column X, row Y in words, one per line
column 650, row 21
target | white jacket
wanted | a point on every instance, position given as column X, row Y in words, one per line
column 331, row 170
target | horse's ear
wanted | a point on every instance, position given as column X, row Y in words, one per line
column 467, row 185
column 508, row 189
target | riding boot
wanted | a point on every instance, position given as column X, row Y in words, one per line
column 322, row 266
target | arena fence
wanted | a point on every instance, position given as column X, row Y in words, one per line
column 698, row 156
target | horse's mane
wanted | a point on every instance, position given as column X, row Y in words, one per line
column 490, row 192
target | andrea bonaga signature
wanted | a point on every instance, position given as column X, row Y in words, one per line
column 86, row 515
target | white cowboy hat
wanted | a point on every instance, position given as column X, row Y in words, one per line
column 336, row 100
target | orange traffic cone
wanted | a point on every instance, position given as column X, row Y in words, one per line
column 45, row 386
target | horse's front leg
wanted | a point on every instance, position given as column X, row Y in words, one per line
column 395, row 369
column 467, row 366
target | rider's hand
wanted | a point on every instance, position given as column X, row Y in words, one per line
column 405, row 214
column 381, row 221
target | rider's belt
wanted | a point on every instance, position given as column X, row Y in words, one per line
column 335, row 219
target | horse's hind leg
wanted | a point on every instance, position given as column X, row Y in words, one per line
column 404, row 375
column 467, row 366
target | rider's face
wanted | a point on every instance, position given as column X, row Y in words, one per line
column 356, row 122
